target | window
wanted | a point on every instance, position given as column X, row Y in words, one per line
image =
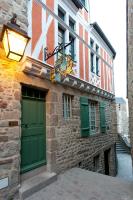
column 71, row 48
column 97, row 66
column 97, row 61
column 92, row 62
column 97, row 49
column 67, row 106
column 61, row 14
column 61, row 40
column 102, row 117
column 89, row 112
column 71, row 24
column 83, row 2
column 91, row 43
column 96, row 163
column 92, row 56
column 92, row 116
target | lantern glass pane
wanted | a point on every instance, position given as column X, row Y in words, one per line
column 14, row 57
column 5, row 43
column 17, row 42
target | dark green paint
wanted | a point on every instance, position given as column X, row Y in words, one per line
column 102, row 117
column 33, row 139
column 84, row 116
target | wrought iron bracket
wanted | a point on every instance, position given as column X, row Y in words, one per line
column 56, row 50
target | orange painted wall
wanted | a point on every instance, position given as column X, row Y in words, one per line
column 86, row 58
column 36, row 23
column 105, row 75
column 102, row 69
column 41, row 54
column 50, row 4
column 51, row 41
column 81, row 65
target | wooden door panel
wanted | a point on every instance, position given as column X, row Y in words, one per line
column 33, row 141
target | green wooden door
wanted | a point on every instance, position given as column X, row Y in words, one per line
column 33, row 140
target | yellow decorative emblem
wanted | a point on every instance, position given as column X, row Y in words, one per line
column 63, row 66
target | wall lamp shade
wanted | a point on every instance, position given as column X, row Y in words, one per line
column 14, row 41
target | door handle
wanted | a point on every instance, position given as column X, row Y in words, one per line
column 25, row 125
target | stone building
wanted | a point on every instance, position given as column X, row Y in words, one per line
column 70, row 121
column 122, row 117
column 130, row 68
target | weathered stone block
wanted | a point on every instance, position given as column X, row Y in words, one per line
column 52, row 145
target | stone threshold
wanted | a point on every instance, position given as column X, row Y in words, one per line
column 36, row 183
column 42, row 70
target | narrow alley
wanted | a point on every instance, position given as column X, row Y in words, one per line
column 79, row 184
column 124, row 166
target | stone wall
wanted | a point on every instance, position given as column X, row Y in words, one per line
column 130, row 66
column 122, row 119
column 72, row 149
column 10, row 108
column 10, row 113
column 65, row 147
column 7, row 8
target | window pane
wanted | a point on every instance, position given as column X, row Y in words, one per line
column 67, row 102
column 97, row 48
column 61, row 15
column 97, row 65
column 83, row 2
column 71, row 48
column 91, row 43
column 71, row 24
column 92, row 107
column 61, row 40
column 92, row 62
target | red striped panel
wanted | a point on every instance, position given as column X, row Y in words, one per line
column 111, row 80
column 102, row 75
column 86, row 58
column 36, row 23
column 50, row 41
column 105, row 75
column 41, row 54
column 81, row 65
column 50, row 4
column 102, row 69
column 86, row 15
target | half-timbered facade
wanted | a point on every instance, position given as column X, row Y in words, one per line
column 51, row 122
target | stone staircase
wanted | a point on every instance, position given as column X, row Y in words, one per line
column 120, row 148
column 36, row 183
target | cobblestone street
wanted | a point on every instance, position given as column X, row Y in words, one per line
column 79, row 184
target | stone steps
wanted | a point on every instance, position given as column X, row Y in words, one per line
column 36, row 183
column 120, row 148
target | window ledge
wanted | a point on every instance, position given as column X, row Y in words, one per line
column 93, row 135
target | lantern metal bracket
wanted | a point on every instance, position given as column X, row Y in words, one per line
column 56, row 50
column 18, row 34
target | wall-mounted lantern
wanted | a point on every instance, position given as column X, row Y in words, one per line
column 14, row 40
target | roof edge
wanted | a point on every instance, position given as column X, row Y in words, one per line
column 103, row 36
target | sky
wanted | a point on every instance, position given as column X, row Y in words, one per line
column 111, row 17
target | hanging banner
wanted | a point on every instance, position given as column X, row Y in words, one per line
column 63, row 66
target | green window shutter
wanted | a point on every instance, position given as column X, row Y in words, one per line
column 102, row 117
column 84, row 116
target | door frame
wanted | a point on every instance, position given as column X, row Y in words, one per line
column 44, row 100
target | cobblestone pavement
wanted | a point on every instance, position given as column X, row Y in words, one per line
column 79, row 184
column 125, row 166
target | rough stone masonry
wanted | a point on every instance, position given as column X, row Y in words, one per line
column 65, row 147
column 130, row 67
column 10, row 109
